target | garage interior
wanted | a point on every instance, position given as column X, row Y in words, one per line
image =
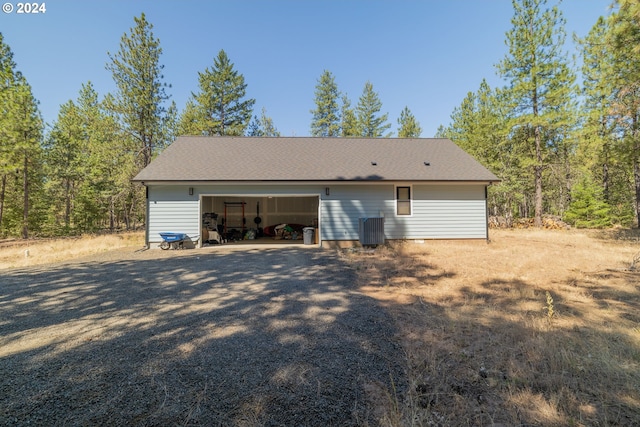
column 263, row 219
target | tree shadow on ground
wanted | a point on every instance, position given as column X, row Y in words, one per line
column 625, row 234
column 253, row 337
column 488, row 352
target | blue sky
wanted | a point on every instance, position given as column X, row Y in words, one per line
column 424, row 54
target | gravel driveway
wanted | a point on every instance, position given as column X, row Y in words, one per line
column 222, row 336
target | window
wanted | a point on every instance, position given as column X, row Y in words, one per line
column 403, row 200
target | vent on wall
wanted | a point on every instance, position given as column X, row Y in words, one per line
column 371, row 231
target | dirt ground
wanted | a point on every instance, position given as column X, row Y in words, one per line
column 537, row 327
column 227, row 336
column 534, row 328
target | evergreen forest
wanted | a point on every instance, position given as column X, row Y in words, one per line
column 563, row 138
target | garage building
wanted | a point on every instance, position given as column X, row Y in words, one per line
column 247, row 187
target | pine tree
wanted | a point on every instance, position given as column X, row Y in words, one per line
column 409, row 127
column 103, row 163
column 255, row 127
column 262, row 126
column 87, row 171
column 139, row 105
column 27, row 126
column 190, row 121
column 623, row 40
column 119, row 196
column 349, row 123
column 7, row 137
column 587, row 209
column 370, row 124
column 219, row 108
column 20, row 148
column 326, row 115
column 541, row 84
column 139, row 100
column 596, row 90
column 266, row 122
column 480, row 127
column 601, row 150
column 65, row 158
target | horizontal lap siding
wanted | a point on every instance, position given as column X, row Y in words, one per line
column 447, row 219
column 444, row 212
column 439, row 212
column 340, row 211
column 171, row 209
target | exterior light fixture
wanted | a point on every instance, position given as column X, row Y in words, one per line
column 326, row 191
column 191, row 191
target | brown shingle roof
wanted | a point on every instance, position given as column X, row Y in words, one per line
column 194, row 158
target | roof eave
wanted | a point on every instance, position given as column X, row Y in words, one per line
column 147, row 182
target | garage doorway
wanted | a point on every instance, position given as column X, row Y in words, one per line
column 258, row 219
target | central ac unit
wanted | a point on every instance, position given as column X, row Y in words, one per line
column 371, row 231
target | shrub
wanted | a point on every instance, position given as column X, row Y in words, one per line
column 587, row 208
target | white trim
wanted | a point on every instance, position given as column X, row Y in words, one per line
column 395, row 199
column 318, row 195
column 260, row 195
column 323, row 183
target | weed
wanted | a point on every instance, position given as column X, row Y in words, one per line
column 477, row 350
column 549, row 308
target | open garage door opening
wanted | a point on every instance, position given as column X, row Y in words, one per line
column 258, row 219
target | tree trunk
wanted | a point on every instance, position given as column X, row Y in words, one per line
column 148, row 150
column 537, row 169
column 636, row 177
column 25, row 209
column 67, row 207
column 132, row 215
column 2, row 193
column 538, row 178
column 222, row 119
column 605, row 181
column 125, row 213
column 567, row 180
column 111, row 214
column 636, row 165
column 605, row 165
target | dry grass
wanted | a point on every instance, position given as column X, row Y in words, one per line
column 15, row 254
column 535, row 328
